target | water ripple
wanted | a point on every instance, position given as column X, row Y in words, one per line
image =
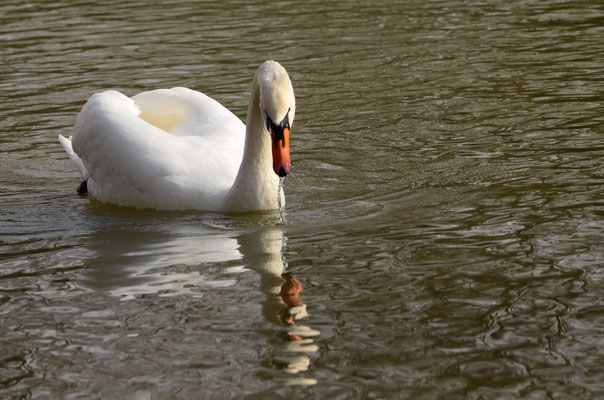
column 444, row 210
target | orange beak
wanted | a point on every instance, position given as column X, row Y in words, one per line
column 281, row 161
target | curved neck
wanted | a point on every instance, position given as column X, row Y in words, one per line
column 257, row 154
column 256, row 185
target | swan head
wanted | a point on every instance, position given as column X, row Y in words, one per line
column 277, row 106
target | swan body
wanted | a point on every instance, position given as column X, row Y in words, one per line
column 178, row 149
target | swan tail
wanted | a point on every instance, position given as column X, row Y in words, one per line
column 66, row 143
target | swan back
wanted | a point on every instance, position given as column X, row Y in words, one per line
column 133, row 162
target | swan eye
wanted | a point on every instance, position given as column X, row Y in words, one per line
column 285, row 122
column 269, row 123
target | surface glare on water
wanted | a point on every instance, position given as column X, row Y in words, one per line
column 445, row 215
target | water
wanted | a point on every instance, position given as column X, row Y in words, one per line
column 444, row 210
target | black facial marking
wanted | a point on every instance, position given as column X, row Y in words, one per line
column 277, row 129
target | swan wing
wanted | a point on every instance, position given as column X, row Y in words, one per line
column 166, row 149
column 185, row 112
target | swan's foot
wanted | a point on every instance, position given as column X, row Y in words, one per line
column 83, row 188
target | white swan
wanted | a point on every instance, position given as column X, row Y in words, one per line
column 177, row 149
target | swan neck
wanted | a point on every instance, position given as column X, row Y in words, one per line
column 255, row 186
column 257, row 154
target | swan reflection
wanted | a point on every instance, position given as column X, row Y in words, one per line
column 282, row 304
column 129, row 264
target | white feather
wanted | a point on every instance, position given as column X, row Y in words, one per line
column 66, row 143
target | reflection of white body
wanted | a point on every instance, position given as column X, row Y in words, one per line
column 130, row 262
column 174, row 263
column 179, row 149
